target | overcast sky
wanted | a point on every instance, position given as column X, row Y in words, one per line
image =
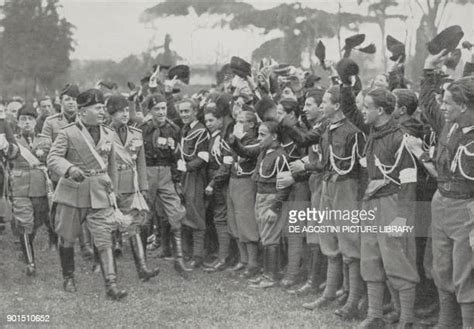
column 110, row 29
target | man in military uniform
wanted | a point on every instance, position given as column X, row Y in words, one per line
column 160, row 136
column 30, row 184
column 83, row 156
column 51, row 127
column 132, row 179
column 8, row 150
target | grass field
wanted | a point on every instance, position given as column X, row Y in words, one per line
column 206, row 300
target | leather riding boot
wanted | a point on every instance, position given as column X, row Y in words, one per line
column 144, row 274
column 179, row 264
column 85, row 241
column 165, row 248
column 109, row 272
column 26, row 241
column 66, row 256
column 117, row 240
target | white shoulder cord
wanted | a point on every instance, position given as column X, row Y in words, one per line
column 276, row 168
column 197, row 133
column 216, row 149
column 333, row 156
column 388, row 169
column 292, row 149
column 237, row 165
column 462, row 149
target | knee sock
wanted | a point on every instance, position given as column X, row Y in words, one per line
column 407, row 305
column 244, row 258
column 334, row 276
column 252, row 252
column 467, row 310
column 375, row 293
column 198, row 243
column 447, row 309
column 224, row 240
column 356, row 285
column 295, row 252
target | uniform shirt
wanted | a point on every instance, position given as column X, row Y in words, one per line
column 71, row 150
column 453, row 163
column 53, row 124
column 270, row 162
column 26, row 179
column 295, row 152
column 160, row 143
column 130, row 157
column 194, row 146
column 340, row 144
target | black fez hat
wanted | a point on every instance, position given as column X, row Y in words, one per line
column 131, row 85
column 145, row 79
column 320, row 53
column 71, row 90
column 109, row 85
column 453, row 59
column 447, row 39
column 27, row 109
column 354, row 41
column 467, row 45
column 396, row 47
column 240, row 67
column 153, row 99
column 181, row 72
column 346, row 67
column 116, row 103
column 90, row 97
column 468, row 69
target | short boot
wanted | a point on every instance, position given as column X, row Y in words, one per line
column 66, row 256
column 165, row 248
column 270, row 277
column 314, row 277
column 144, row 274
column 28, row 253
column 179, row 264
column 372, row 323
column 109, row 272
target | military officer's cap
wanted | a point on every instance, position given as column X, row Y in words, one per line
column 71, row 90
column 153, row 99
column 90, row 97
column 116, row 103
column 27, row 109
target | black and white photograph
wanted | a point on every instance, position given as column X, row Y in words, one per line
column 237, row 164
